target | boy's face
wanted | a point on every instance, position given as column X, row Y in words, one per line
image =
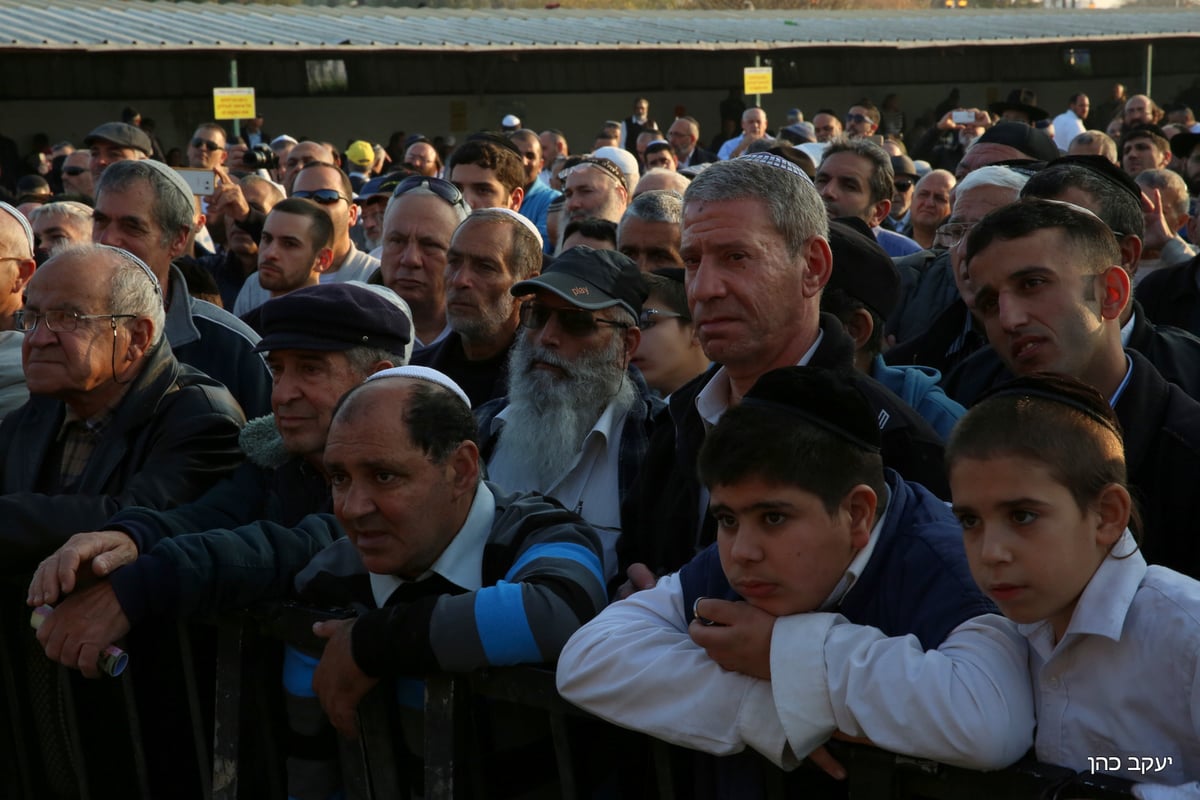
column 1030, row 547
column 780, row 549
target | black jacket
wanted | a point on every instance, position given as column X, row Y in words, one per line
column 482, row 380
column 1162, row 457
column 1172, row 297
column 932, row 348
column 660, row 520
column 1174, row 353
column 174, row 434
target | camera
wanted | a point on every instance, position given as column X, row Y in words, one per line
column 261, row 156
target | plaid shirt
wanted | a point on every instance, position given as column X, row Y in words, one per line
column 77, row 437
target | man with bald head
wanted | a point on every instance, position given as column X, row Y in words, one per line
column 16, row 268
column 1141, row 110
column 754, row 127
column 300, row 156
column 417, row 228
column 422, row 157
column 662, row 180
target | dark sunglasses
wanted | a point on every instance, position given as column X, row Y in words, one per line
column 443, row 189
column 325, row 197
column 573, row 321
column 903, row 186
column 857, row 118
column 73, row 171
column 206, row 144
column 652, row 316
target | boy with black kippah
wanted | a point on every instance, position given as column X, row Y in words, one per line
column 808, row 519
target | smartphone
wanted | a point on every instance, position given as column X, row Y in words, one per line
column 962, row 117
column 203, row 182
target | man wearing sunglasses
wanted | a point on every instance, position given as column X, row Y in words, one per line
column 576, row 422
column 206, row 149
column 329, row 187
column 903, row 180
column 77, row 175
column 862, row 120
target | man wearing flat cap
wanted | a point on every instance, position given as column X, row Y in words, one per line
column 116, row 141
column 576, row 421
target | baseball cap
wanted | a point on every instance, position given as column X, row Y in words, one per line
column 360, row 153
column 591, row 279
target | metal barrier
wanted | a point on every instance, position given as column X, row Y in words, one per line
column 452, row 769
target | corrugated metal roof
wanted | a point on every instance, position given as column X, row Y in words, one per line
column 99, row 26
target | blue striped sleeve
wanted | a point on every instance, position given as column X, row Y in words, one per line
column 503, row 625
column 571, row 552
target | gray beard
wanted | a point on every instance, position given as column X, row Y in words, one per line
column 548, row 416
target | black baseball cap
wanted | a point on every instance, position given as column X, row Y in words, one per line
column 591, row 279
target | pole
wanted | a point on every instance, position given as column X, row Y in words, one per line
column 237, row 123
column 757, row 63
column 1149, row 67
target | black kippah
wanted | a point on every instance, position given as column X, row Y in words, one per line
column 1062, row 390
column 825, row 398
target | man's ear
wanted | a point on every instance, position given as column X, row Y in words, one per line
column 464, row 468
column 633, row 338
column 515, row 198
column 353, row 212
column 860, row 326
column 1116, row 295
column 859, row 505
column 25, row 269
column 1113, row 508
column 879, row 212
column 818, row 260
column 1131, row 251
column 323, row 259
column 141, row 334
column 179, row 242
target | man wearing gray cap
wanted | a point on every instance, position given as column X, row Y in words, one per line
column 113, row 142
column 576, row 421
column 146, row 208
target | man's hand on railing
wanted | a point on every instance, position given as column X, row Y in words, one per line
column 735, row 635
column 59, row 574
column 338, row 682
column 82, row 626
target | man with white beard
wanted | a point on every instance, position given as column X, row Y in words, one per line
column 576, row 422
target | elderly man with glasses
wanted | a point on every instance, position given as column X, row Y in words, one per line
column 575, row 424
column 114, row 419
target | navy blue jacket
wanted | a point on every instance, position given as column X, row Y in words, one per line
column 916, row 581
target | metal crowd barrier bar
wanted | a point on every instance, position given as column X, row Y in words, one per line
column 452, row 770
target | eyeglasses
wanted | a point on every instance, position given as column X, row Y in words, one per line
column 609, row 167
column 951, row 233
column 206, row 144
column 73, row 171
column 857, row 118
column 325, row 197
column 903, row 186
column 573, row 321
column 60, row 320
column 652, row 316
column 443, row 189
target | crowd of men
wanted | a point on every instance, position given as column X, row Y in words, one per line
column 479, row 379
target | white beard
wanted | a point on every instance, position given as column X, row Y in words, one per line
column 549, row 416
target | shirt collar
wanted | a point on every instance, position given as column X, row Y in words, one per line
column 1112, row 401
column 859, row 563
column 713, row 400
column 1127, row 330
column 461, row 562
column 1104, row 602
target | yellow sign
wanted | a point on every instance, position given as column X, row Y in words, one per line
column 234, row 103
column 757, row 80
